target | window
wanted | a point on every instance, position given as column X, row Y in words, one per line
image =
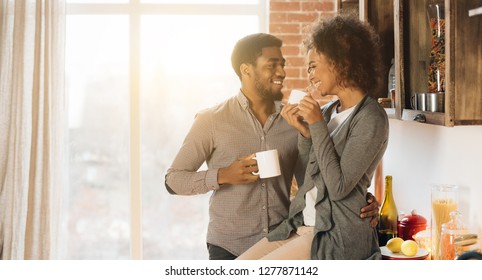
column 137, row 72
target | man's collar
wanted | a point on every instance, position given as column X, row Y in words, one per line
column 244, row 102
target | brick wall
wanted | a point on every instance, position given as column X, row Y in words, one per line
column 289, row 20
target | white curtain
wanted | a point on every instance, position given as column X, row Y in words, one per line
column 32, row 105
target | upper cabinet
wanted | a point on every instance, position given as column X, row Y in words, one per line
column 437, row 49
column 380, row 14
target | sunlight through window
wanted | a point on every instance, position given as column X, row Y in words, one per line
column 184, row 67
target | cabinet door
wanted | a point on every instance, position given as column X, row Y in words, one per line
column 378, row 13
column 413, row 44
column 463, row 64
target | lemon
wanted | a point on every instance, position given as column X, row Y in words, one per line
column 409, row 248
column 394, row 244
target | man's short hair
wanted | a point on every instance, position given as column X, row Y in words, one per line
column 249, row 48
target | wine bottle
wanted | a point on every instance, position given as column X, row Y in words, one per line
column 388, row 215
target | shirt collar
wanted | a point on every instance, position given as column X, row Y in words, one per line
column 244, row 102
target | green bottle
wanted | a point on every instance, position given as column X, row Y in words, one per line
column 388, row 215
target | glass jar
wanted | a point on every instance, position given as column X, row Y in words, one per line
column 450, row 231
column 444, row 200
column 436, row 67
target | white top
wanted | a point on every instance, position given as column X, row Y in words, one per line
column 309, row 212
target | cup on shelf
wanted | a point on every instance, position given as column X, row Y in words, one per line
column 431, row 102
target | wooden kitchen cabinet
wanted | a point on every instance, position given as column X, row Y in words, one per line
column 407, row 39
column 463, row 60
column 380, row 14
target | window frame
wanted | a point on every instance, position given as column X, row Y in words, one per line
column 135, row 9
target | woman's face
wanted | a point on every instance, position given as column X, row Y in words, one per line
column 321, row 74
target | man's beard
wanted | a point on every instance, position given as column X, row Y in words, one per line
column 266, row 93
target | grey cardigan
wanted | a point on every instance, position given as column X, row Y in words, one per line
column 341, row 166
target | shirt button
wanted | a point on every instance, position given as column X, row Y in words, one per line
column 264, row 207
column 262, row 137
column 265, row 230
column 263, row 185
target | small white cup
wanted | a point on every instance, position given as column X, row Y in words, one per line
column 296, row 96
column 268, row 164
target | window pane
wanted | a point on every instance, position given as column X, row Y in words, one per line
column 97, row 1
column 244, row 2
column 185, row 67
column 97, row 198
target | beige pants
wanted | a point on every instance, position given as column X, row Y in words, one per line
column 296, row 247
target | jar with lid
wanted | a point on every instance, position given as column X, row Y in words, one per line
column 452, row 230
column 409, row 225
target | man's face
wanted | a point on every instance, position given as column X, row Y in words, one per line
column 269, row 74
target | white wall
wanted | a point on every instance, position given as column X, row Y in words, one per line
column 420, row 155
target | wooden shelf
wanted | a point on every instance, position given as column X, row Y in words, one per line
column 429, row 117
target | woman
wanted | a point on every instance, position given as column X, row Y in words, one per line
column 341, row 145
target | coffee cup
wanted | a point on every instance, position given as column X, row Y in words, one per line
column 268, row 164
column 296, row 96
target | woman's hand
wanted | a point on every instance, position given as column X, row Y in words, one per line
column 290, row 114
column 310, row 110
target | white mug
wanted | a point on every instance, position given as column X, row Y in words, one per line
column 296, row 96
column 268, row 164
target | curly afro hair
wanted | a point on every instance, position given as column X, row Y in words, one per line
column 354, row 49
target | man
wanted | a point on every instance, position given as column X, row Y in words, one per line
column 243, row 208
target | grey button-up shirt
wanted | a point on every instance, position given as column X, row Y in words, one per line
column 239, row 215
